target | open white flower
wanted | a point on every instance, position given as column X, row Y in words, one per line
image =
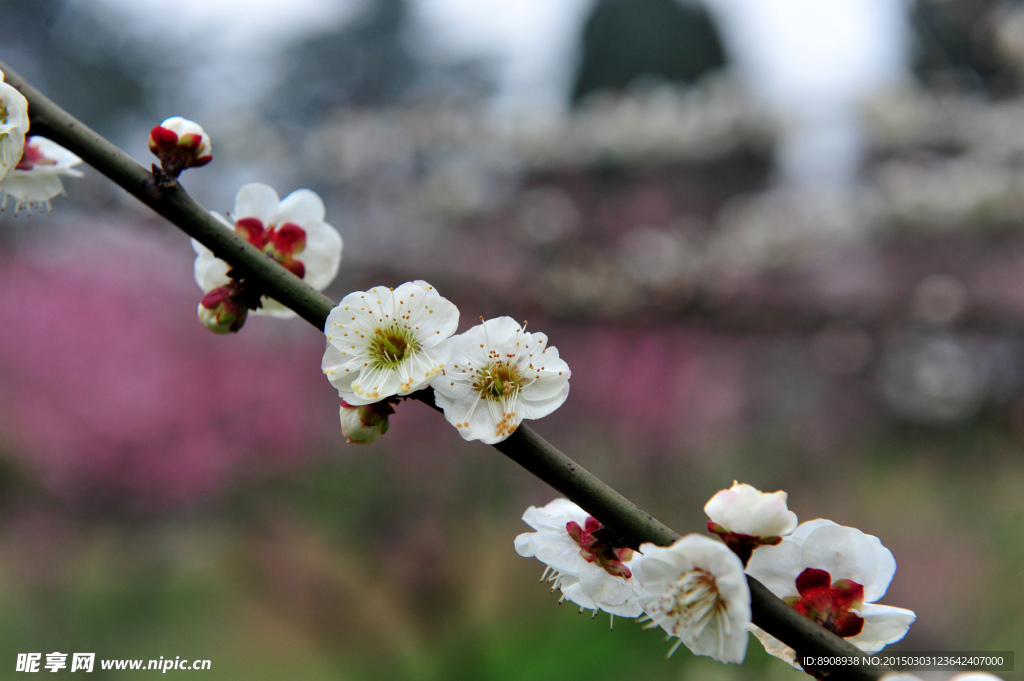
column 292, row 231
column 834, row 575
column 13, row 126
column 36, row 178
column 500, row 375
column 745, row 518
column 581, row 559
column 697, row 592
column 385, row 342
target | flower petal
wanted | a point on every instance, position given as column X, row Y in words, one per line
column 882, row 625
column 322, row 255
column 302, row 207
column 256, row 200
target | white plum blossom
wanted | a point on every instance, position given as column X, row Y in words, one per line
column 834, row 575
column 36, row 178
column 179, row 144
column 13, row 126
column 745, row 517
column 697, row 591
column 581, row 559
column 498, row 376
column 292, row 232
column 385, row 342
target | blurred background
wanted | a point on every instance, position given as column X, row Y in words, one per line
column 778, row 241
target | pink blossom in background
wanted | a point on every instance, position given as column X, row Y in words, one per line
column 117, row 398
column 688, row 384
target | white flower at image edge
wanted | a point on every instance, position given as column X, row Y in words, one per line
column 697, row 592
column 385, row 342
column 498, row 376
column 833, row 574
column 292, row 232
column 13, row 126
column 36, row 178
column 588, row 571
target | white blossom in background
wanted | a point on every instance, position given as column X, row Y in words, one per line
column 580, row 558
column 834, row 575
column 498, row 376
column 179, row 144
column 745, row 517
column 697, row 591
column 292, row 232
column 385, row 342
column 13, row 126
column 36, row 178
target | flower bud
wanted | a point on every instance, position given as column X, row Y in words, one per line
column 745, row 518
column 179, row 144
column 221, row 312
column 364, row 424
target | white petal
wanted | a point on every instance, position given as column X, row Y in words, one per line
column 548, row 382
column 301, row 207
column 256, row 200
column 524, row 546
column 805, row 529
column 470, row 414
column 886, row 569
column 322, row 255
column 726, row 642
column 535, row 409
column 882, row 625
column 209, row 270
column 774, row 646
column 271, row 308
column 503, row 334
column 28, row 188
column 777, row 567
column 744, row 509
column 63, row 160
column 844, row 552
column 603, row 587
column 575, row 593
column 555, row 515
column 655, row 571
column 334, row 365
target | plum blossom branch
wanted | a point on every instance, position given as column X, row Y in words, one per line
column 632, row 525
column 171, row 202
